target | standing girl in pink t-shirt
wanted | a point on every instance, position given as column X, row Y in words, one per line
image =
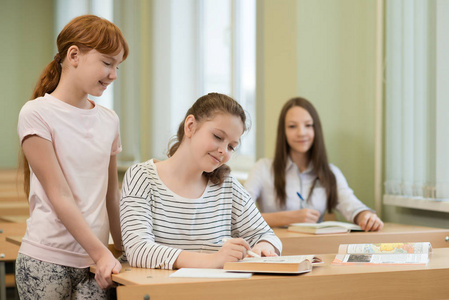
column 69, row 147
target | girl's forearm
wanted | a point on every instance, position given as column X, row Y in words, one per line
column 71, row 217
column 112, row 203
column 188, row 259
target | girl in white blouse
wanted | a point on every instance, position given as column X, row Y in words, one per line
column 299, row 184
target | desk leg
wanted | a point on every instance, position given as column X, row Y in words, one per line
column 2, row 281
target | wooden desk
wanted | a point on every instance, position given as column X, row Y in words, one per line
column 11, row 176
column 7, row 229
column 301, row 243
column 11, row 191
column 14, row 208
column 17, row 240
column 14, row 219
column 10, row 240
column 324, row 282
column 8, row 251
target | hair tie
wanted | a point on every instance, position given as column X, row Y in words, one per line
column 57, row 58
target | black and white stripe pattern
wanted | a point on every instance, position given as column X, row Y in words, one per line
column 157, row 224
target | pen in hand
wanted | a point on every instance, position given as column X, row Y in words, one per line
column 302, row 202
column 250, row 253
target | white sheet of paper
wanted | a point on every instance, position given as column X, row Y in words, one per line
column 208, row 273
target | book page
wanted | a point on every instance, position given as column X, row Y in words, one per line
column 349, row 226
column 386, row 248
column 288, row 259
column 384, row 253
column 290, row 264
column 381, row 259
column 328, row 224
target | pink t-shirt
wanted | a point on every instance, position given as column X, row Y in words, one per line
column 84, row 140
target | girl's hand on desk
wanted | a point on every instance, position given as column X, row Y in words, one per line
column 232, row 250
column 106, row 266
column 264, row 249
column 305, row 215
column 369, row 221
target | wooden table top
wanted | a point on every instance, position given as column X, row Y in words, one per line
column 389, row 228
column 8, row 228
column 8, row 250
column 141, row 276
column 324, row 282
column 295, row 243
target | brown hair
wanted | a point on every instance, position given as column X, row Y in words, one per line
column 205, row 108
column 87, row 32
column 317, row 155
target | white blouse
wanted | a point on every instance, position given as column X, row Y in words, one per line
column 260, row 185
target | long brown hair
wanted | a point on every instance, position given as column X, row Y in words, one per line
column 87, row 32
column 317, row 154
column 205, row 108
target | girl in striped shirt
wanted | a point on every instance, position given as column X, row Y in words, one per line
column 175, row 213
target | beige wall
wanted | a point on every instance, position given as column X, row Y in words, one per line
column 26, row 32
column 324, row 51
column 277, row 61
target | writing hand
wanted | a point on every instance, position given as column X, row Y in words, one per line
column 232, row 250
column 305, row 215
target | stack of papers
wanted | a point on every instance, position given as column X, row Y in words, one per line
column 208, row 273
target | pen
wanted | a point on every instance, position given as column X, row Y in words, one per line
column 301, row 204
column 250, row 253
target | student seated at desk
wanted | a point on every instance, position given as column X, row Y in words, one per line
column 175, row 213
column 299, row 184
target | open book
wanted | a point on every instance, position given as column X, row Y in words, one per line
column 383, row 253
column 324, row 227
column 295, row 264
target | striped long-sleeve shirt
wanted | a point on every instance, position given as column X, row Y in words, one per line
column 157, row 224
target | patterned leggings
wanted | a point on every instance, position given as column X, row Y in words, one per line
column 42, row 280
